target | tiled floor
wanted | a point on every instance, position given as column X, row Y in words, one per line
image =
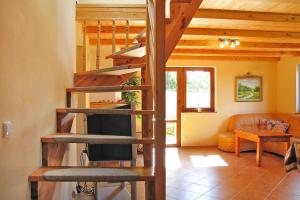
column 209, row 174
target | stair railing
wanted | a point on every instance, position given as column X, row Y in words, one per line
column 156, row 61
column 114, row 44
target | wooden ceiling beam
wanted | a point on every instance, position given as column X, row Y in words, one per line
column 208, row 32
column 214, row 44
column 247, row 15
column 242, row 33
column 278, row 1
column 243, row 45
column 229, row 58
column 110, row 12
column 233, row 53
column 181, row 17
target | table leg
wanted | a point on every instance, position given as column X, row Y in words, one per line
column 287, row 145
column 237, row 145
column 259, row 150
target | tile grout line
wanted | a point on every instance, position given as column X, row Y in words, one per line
column 276, row 186
column 244, row 188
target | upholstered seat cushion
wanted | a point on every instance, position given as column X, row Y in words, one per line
column 226, row 142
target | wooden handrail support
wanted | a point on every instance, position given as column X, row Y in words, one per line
column 156, row 26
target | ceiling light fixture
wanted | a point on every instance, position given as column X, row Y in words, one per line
column 222, row 45
column 232, row 43
column 226, row 42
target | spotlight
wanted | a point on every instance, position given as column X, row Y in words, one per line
column 232, row 45
column 226, row 42
column 222, row 45
column 237, row 42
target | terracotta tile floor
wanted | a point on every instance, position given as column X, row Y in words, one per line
column 210, row 174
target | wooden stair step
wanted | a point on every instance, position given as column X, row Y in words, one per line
column 105, row 111
column 94, row 139
column 74, row 174
column 116, row 70
column 93, row 89
column 136, row 51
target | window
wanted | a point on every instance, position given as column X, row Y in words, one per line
column 199, row 89
column 195, row 87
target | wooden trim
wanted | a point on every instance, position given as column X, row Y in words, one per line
column 147, row 123
column 234, row 53
column 121, row 88
column 113, row 32
column 84, row 30
column 210, row 45
column 242, row 33
column 172, row 145
column 181, row 16
column 203, row 110
column 171, row 121
column 98, row 45
column 246, row 15
column 127, row 33
column 228, row 58
column 159, row 62
column 180, row 102
column 110, row 12
column 211, row 70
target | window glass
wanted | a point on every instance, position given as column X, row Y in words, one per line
column 171, row 95
column 198, row 89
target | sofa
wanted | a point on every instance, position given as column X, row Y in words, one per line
column 226, row 140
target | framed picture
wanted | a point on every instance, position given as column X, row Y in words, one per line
column 248, row 88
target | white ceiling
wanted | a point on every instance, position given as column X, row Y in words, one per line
column 112, row 1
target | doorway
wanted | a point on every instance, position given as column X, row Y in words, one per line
column 172, row 136
column 188, row 89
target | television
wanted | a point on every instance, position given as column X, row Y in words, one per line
column 110, row 124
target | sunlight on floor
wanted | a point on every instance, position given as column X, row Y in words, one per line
column 172, row 158
column 208, row 161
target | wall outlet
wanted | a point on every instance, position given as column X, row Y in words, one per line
column 6, row 129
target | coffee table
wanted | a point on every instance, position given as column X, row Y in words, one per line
column 259, row 136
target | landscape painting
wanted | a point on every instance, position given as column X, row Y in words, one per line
column 248, row 88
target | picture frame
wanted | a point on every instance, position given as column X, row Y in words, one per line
column 248, row 88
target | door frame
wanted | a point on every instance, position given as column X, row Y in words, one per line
column 180, row 80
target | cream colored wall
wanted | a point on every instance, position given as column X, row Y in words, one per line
column 199, row 129
column 287, row 85
column 37, row 59
column 105, row 50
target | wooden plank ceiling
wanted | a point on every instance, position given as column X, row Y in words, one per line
column 267, row 29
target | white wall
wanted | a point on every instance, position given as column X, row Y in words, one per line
column 200, row 129
column 37, row 60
